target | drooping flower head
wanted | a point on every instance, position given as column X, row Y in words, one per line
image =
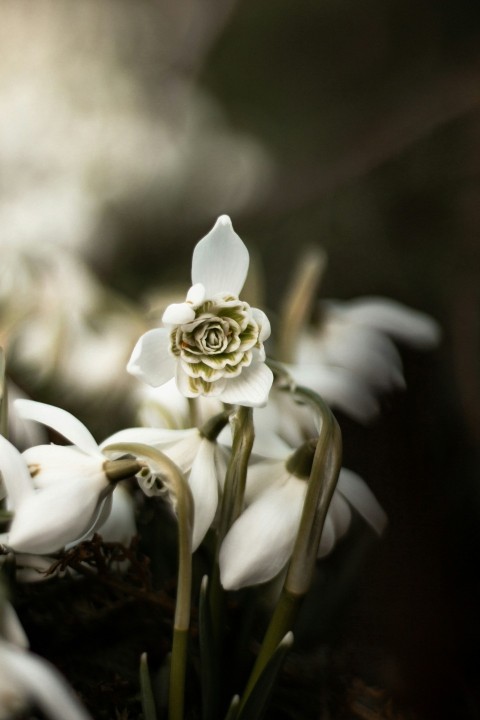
column 213, row 342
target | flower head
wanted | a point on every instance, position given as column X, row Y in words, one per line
column 260, row 542
column 213, row 342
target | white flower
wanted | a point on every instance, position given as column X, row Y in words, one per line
column 59, row 494
column 213, row 342
column 202, row 461
column 261, row 540
column 350, row 358
column 26, row 679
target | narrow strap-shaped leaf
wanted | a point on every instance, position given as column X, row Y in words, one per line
column 148, row 702
column 255, row 703
column 208, row 656
column 233, row 709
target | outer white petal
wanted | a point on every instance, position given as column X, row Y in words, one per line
column 260, row 542
column 361, row 498
column 15, row 474
column 340, row 388
column 120, row 524
column 60, row 420
column 57, row 463
column 35, row 681
column 397, row 320
column 12, row 629
column 264, row 476
column 178, row 314
column 327, row 541
column 250, row 388
column 220, row 260
column 158, row 437
column 151, row 360
column 364, row 351
column 55, row 516
column 204, row 486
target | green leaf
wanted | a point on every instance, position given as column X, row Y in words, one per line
column 148, row 702
column 253, row 706
column 233, row 709
column 208, row 656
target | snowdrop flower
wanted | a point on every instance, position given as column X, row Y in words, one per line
column 166, row 407
column 260, row 542
column 350, row 356
column 202, row 460
column 213, row 342
column 26, row 679
column 59, row 494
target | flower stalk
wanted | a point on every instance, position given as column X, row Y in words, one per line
column 178, row 487
column 321, row 486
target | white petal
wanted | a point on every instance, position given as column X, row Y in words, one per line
column 15, row 474
column 151, row 360
column 204, row 486
column 339, row 388
column 264, row 476
column 158, row 437
column 41, row 684
column 12, row 629
column 220, row 260
column 250, row 388
column 361, row 498
column 57, row 463
column 263, row 322
column 260, row 542
column 178, row 314
column 327, row 541
column 120, row 524
column 397, row 320
column 364, row 351
column 60, row 420
column 55, row 516
column 196, row 295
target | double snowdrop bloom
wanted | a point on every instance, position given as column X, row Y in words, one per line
column 350, row 356
column 26, row 679
column 213, row 342
column 59, row 494
column 260, row 542
column 202, row 460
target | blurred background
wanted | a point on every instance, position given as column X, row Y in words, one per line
column 126, row 128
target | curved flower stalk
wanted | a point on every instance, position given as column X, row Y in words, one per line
column 213, row 342
column 350, row 356
column 59, row 494
column 200, row 458
column 26, row 679
column 260, row 543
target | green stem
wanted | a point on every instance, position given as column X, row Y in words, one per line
column 178, row 487
column 321, row 486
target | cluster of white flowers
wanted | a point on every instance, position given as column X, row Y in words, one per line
column 209, row 358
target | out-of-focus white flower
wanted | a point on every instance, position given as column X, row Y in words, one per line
column 350, row 357
column 261, row 540
column 213, row 342
column 202, row 461
column 166, row 407
column 59, row 494
column 26, row 679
